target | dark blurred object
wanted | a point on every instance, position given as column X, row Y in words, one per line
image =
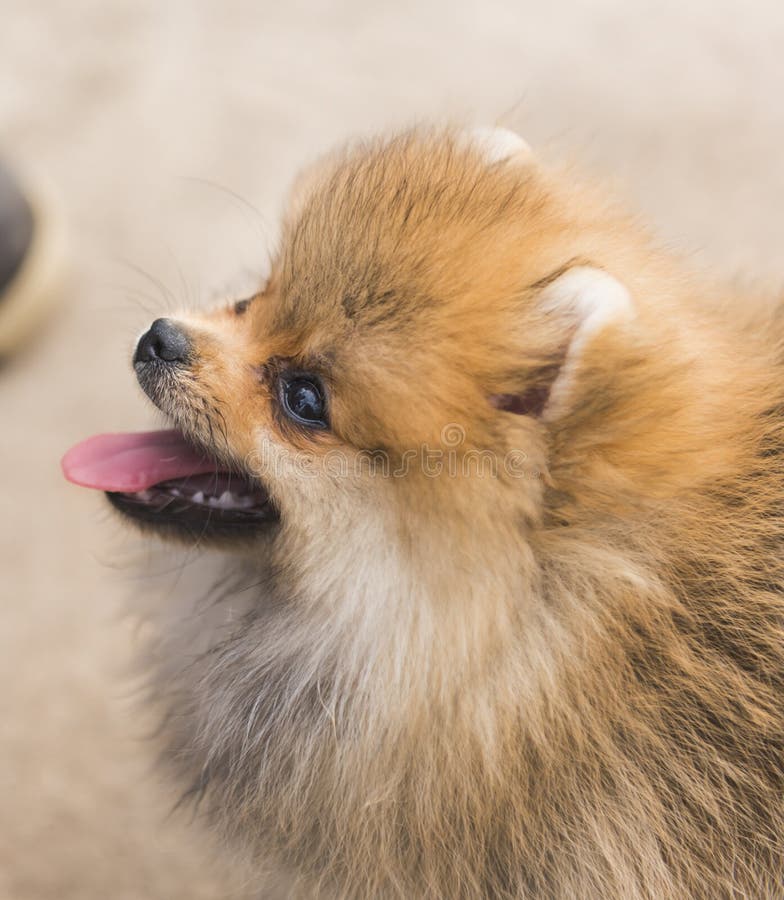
column 30, row 264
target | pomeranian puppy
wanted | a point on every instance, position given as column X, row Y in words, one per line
column 497, row 488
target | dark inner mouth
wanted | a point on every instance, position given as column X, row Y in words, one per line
column 212, row 504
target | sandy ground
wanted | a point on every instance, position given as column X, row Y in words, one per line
column 169, row 130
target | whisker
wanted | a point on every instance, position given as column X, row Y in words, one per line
column 167, row 296
column 260, row 219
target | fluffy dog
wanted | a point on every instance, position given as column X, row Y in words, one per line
column 496, row 487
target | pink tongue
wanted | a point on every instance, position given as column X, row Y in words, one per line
column 133, row 462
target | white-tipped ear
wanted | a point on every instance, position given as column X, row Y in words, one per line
column 498, row 144
column 592, row 296
column 593, row 300
column 584, row 301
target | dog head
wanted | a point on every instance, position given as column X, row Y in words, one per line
column 435, row 316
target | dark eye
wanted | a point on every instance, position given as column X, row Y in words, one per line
column 302, row 398
column 241, row 306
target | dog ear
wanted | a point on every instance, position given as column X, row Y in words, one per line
column 499, row 145
column 585, row 301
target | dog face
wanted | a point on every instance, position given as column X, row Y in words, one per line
column 417, row 340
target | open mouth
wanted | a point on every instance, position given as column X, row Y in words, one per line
column 168, row 484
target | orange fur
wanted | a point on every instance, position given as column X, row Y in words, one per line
column 563, row 681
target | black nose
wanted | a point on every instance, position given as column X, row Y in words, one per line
column 164, row 341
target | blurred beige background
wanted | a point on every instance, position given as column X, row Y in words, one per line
column 168, row 131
